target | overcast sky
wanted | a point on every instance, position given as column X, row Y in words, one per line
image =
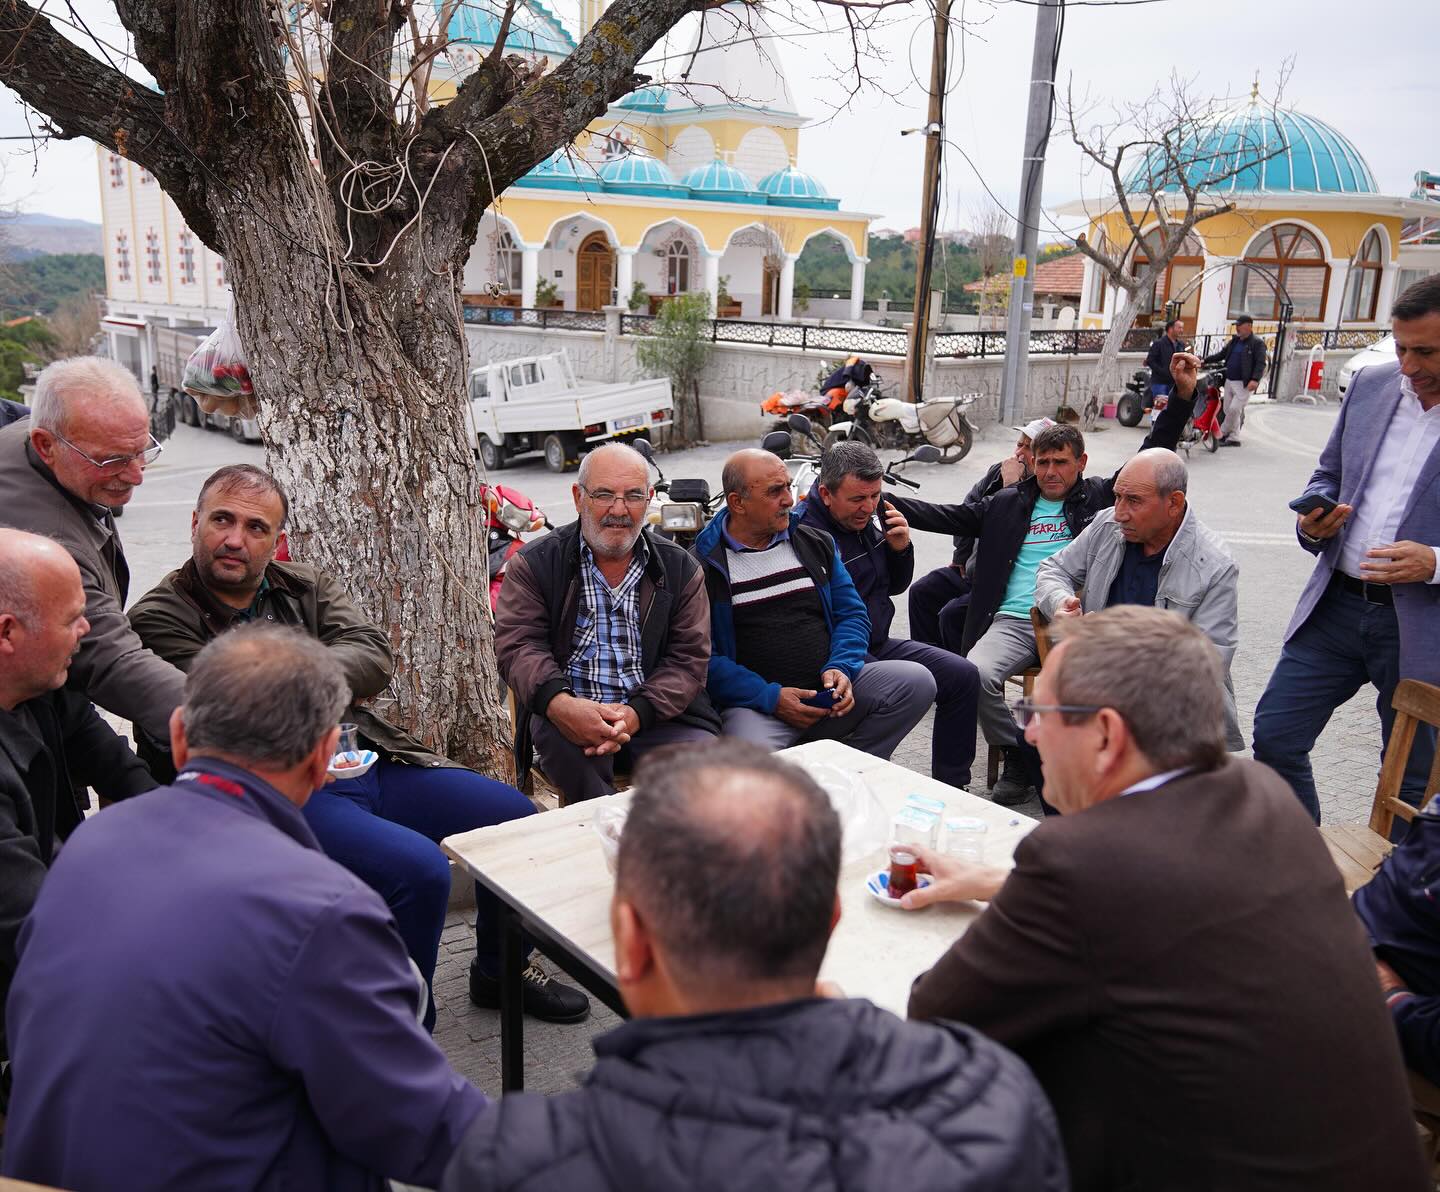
column 1368, row 70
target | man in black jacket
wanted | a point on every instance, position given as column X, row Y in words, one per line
column 1244, row 359
column 732, row 1073
column 51, row 739
column 938, row 599
column 846, row 503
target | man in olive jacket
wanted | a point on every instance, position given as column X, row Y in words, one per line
column 50, row 738
column 383, row 826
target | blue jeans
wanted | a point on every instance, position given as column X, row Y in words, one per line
column 957, row 692
column 1345, row 643
column 385, row 827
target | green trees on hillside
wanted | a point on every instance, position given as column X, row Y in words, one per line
column 41, row 284
column 824, row 267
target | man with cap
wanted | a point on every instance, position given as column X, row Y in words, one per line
column 938, row 600
column 1244, row 360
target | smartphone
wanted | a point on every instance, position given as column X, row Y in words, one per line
column 1310, row 502
column 824, row 698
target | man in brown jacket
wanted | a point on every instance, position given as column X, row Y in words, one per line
column 81, row 454
column 384, row 825
column 1174, row 954
column 603, row 633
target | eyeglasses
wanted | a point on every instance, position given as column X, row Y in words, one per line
column 116, row 463
column 605, row 498
column 1027, row 710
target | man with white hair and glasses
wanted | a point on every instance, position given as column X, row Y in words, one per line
column 81, row 454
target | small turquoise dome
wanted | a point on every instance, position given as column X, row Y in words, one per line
column 1312, row 157
column 641, row 174
column 793, row 188
column 562, row 171
column 654, row 98
column 720, row 182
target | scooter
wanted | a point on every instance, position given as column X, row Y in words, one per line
column 888, row 422
column 1204, row 427
column 1132, row 404
column 509, row 513
column 679, row 509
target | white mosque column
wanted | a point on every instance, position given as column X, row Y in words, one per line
column 1335, row 296
column 529, row 275
column 787, row 288
column 712, row 281
column 624, row 275
column 857, row 288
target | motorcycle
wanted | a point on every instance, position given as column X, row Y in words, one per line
column 509, row 513
column 1136, row 399
column 889, row 423
column 806, row 467
column 679, row 509
column 1204, row 426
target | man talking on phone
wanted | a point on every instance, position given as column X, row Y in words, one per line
column 1371, row 611
column 788, row 631
column 873, row 538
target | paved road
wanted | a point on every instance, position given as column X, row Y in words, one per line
column 1241, row 494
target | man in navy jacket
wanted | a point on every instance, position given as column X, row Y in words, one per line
column 846, row 503
column 204, row 999
column 787, row 625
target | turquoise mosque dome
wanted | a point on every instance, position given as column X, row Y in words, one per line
column 721, row 182
column 1279, row 152
column 795, row 188
column 640, row 173
column 562, row 171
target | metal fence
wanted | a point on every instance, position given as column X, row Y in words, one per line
column 884, row 341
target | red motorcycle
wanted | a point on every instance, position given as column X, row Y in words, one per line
column 1204, row 427
column 509, row 513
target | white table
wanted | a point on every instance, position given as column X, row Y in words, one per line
column 549, row 873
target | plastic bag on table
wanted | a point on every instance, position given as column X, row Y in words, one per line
column 217, row 375
column 609, row 823
column 863, row 823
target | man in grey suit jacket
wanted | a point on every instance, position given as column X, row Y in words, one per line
column 81, row 453
column 1371, row 611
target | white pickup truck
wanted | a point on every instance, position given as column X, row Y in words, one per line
column 534, row 403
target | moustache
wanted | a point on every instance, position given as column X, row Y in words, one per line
column 618, row 523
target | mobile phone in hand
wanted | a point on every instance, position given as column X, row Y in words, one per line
column 824, row 698
column 1310, row 502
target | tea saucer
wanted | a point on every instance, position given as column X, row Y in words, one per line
column 364, row 759
column 878, row 885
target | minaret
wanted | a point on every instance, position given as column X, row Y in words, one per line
column 590, row 12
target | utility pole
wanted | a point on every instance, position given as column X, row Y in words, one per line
column 934, row 131
column 1032, row 177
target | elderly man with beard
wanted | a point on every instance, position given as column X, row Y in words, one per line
column 603, row 633
column 384, row 826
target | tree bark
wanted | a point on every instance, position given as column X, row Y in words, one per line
column 1102, row 376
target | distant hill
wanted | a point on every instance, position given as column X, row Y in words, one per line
column 25, row 234
column 42, row 283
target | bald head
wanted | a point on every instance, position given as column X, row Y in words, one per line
column 757, row 496
column 1150, row 498
column 731, row 858
column 42, row 615
column 613, row 460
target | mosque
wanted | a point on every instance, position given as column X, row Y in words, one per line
column 1309, row 226
column 686, row 186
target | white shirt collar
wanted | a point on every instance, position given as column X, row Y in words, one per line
column 1149, row 784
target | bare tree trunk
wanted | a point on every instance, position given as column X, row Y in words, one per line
column 1102, row 376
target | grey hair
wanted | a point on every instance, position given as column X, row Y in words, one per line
column 246, row 478
column 582, row 478
column 734, row 857
column 849, row 459
column 732, row 478
column 1169, row 472
column 263, row 694
column 79, row 379
column 1112, row 659
column 17, row 588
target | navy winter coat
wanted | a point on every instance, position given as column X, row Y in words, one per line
column 808, row 1096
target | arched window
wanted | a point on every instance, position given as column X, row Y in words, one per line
column 1363, row 288
column 1289, row 263
column 677, row 268
column 507, row 262
column 1173, row 279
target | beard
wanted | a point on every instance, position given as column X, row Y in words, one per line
column 611, row 537
column 229, row 579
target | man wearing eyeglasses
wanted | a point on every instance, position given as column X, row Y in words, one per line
column 1174, row 954
column 602, row 631
column 82, row 453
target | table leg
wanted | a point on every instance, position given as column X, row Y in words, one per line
column 512, row 1008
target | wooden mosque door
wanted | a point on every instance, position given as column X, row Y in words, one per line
column 594, row 272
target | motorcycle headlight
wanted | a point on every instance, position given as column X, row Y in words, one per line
column 677, row 518
column 515, row 518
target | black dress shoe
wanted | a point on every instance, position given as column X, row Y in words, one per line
column 542, row 996
column 1013, row 786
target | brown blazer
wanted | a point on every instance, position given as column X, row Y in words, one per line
column 113, row 668
column 1183, row 972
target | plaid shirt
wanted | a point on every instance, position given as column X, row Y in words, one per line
column 605, row 655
